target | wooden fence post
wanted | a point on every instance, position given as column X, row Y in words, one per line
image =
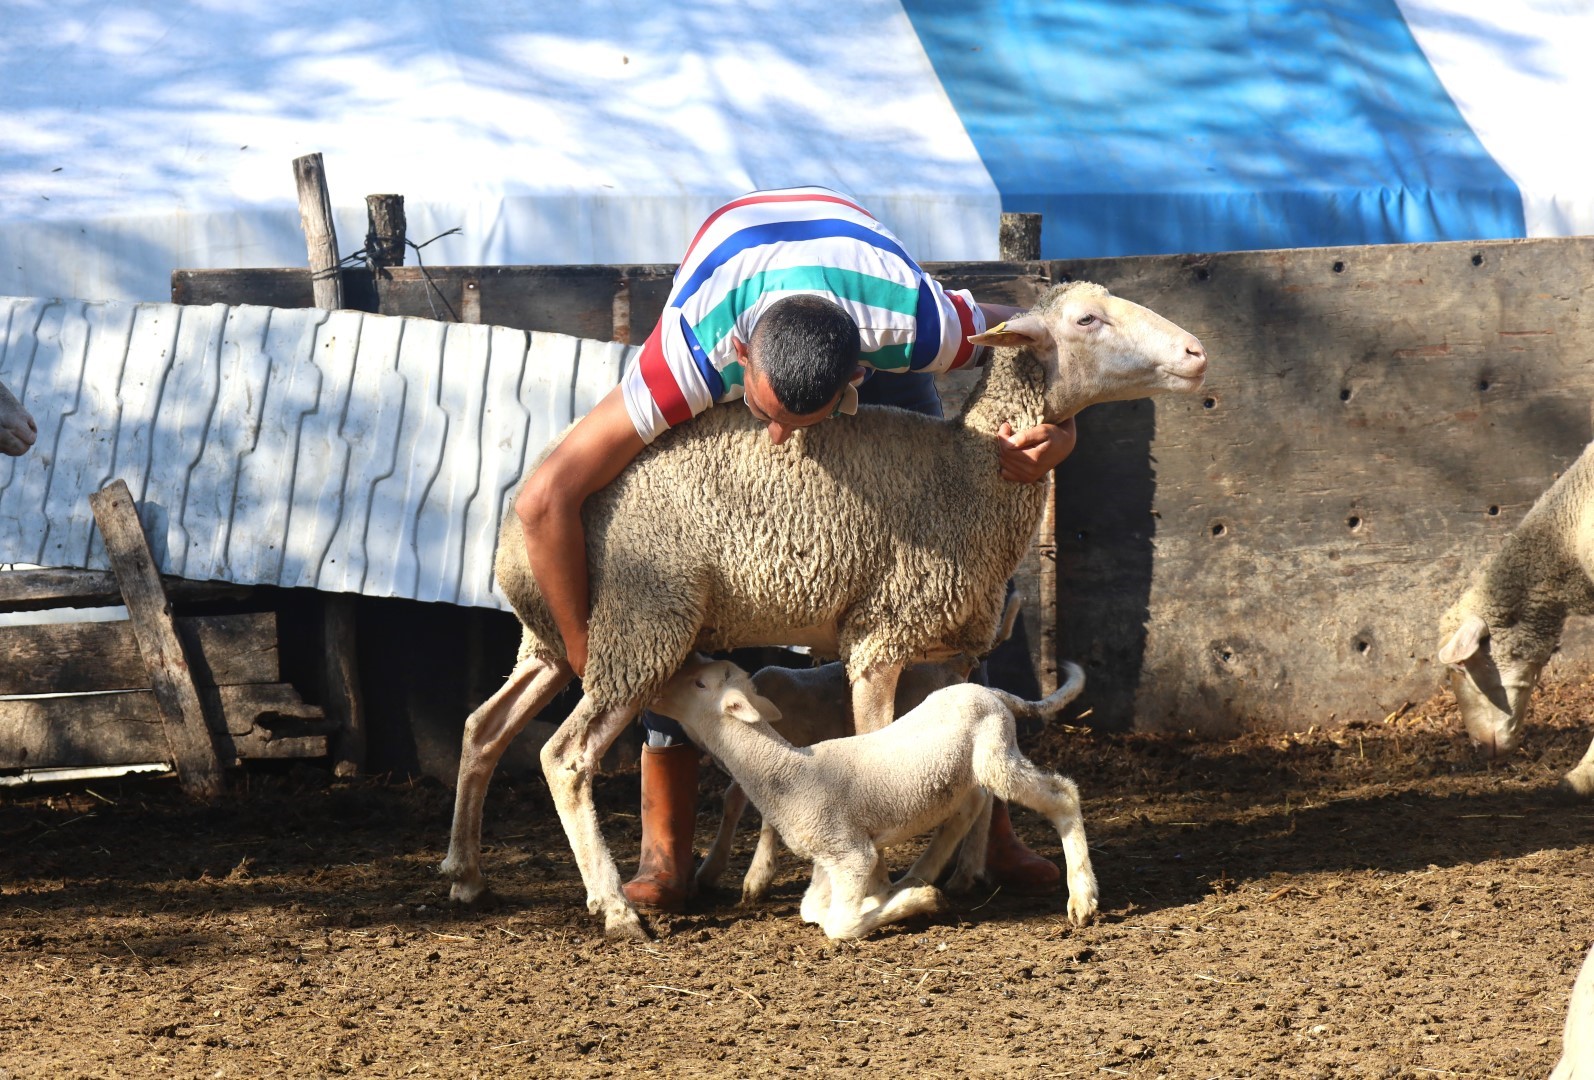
column 340, row 670
column 315, row 215
column 188, row 734
column 1019, row 240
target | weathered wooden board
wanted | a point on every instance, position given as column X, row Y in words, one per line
column 260, row 721
column 93, row 657
column 1276, row 552
column 39, row 590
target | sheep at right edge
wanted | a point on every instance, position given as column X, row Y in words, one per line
column 840, row 801
column 883, row 538
column 1500, row 634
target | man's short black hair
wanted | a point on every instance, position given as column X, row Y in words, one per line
column 806, row 348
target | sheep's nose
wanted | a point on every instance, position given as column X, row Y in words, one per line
column 1196, row 354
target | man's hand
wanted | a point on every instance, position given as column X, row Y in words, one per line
column 1030, row 455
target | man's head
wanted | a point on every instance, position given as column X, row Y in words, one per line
column 803, row 352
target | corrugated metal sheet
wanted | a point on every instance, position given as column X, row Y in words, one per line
column 339, row 451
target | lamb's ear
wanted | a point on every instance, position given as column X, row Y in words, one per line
column 1460, row 646
column 748, row 708
column 1014, row 333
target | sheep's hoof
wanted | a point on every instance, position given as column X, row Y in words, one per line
column 624, row 925
column 1081, row 907
column 468, row 891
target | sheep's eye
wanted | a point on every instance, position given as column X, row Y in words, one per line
column 699, row 684
column 1086, row 320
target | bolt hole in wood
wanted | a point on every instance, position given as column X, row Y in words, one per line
column 1362, row 646
column 1494, row 511
column 1353, row 523
column 1344, row 394
column 1209, row 403
column 1226, row 655
column 1202, row 273
column 1218, row 528
column 1339, row 268
column 1483, row 385
column 1477, row 260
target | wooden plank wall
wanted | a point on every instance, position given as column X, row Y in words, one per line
column 1274, row 552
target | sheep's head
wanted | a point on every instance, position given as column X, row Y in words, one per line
column 1491, row 676
column 1100, row 347
column 705, row 691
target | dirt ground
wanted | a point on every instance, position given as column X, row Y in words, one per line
column 1372, row 902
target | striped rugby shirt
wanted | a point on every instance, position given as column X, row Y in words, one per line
column 767, row 245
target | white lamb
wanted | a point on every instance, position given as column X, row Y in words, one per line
column 815, row 704
column 1577, row 1037
column 884, row 538
column 1499, row 635
column 17, row 429
column 840, row 801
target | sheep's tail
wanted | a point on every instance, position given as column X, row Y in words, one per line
column 1052, row 703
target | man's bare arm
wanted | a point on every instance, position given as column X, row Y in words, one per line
column 595, row 451
column 1029, row 455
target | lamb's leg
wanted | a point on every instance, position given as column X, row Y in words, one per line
column 970, row 866
column 761, row 871
column 735, row 802
column 874, row 697
column 1056, row 797
column 816, row 900
column 488, row 733
column 860, row 901
column 944, row 841
column 1579, row 783
column 569, row 761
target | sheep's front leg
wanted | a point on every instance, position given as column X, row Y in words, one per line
column 761, row 871
column 1579, row 783
column 861, row 901
column 488, row 733
column 874, row 698
column 569, row 761
column 735, row 803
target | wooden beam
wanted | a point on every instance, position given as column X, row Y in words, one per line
column 193, row 754
column 385, row 230
column 97, row 657
column 41, row 590
column 82, row 731
column 320, row 235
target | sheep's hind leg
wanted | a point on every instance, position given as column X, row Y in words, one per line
column 569, row 761
column 1579, row 783
column 1058, row 799
column 488, row 733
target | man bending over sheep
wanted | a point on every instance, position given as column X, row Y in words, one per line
column 792, row 301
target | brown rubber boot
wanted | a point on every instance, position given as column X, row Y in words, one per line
column 669, row 819
column 1010, row 864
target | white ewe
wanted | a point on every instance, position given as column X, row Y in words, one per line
column 884, row 538
column 17, row 429
column 1499, row 635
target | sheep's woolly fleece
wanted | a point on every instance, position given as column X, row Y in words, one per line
column 895, row 525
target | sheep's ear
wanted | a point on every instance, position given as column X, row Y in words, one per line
column 1016, row 332
column 1463, row 644
column 749, row 708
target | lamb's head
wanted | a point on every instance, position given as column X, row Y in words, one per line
column 1100, row 347
column 706, row 692
column 1493, row 669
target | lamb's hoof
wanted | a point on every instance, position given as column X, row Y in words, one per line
column 1081, row 906
column 1574, row 788
column 962, row 881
